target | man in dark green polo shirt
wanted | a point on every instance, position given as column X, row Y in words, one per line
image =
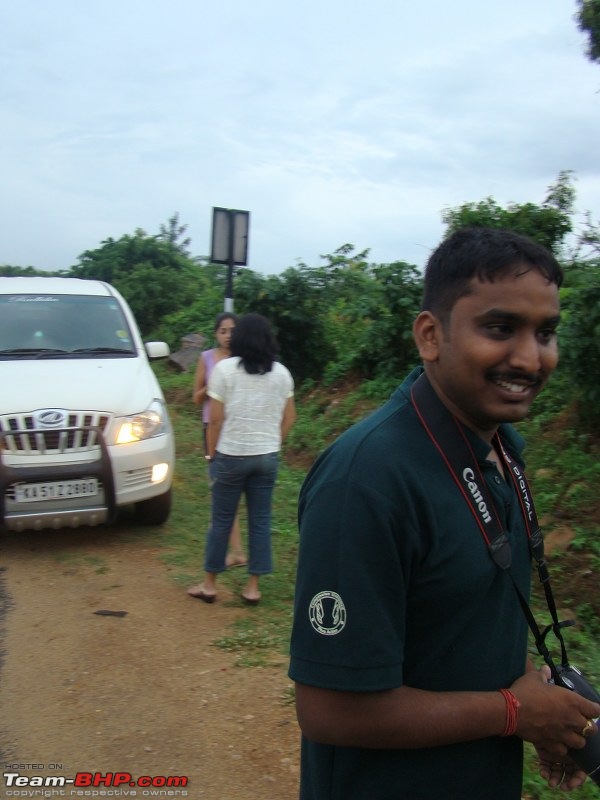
column 409, row 647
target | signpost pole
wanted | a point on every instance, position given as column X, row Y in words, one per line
column 228, row 301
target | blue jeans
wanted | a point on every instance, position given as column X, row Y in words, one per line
column 233, row 476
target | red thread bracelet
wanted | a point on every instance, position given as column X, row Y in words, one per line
column 512, row 712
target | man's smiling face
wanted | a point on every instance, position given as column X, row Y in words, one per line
column 495, row 352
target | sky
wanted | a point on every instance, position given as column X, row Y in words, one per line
column 330, row 121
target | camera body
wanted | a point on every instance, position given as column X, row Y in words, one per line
column 569, row 677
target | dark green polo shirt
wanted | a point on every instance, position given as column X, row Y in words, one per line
column 395, row 586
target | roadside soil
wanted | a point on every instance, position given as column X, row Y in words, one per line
column 146, row 692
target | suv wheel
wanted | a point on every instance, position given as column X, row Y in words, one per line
column 155, row 510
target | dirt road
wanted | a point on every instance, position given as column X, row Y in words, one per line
column 144, row 693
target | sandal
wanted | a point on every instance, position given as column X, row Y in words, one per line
column 202, row 594
column 250, row 601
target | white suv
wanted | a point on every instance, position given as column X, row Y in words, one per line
column 84, row 427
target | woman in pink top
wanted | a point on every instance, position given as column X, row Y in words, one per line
column 224, row 325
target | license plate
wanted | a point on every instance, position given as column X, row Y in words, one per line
column 57, row 490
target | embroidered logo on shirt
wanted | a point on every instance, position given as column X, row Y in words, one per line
column 327, row 613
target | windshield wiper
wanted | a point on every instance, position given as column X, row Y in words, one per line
column 50, row 352
column 33, row 352
column 121, row 351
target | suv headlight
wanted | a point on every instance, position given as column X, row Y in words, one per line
column 151, row 422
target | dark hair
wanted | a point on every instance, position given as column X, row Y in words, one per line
column 253, row 341
column 484, row 253
column 222, row 317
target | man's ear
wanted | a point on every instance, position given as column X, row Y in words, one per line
column 427, row 333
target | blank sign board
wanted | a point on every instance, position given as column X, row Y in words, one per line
column 230, row 236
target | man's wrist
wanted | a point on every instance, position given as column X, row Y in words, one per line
column 512, row 706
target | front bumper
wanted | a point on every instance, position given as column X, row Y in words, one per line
column 124, row 475
column 61, row 512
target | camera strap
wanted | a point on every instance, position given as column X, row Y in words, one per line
column 451, row 441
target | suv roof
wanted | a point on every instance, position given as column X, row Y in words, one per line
column 52, row 285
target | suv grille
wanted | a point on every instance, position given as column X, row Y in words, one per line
column 21, row 437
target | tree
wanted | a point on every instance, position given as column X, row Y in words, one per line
column 296, row 309
column 580, row 335
column 548, row 223
column 588, row 20
column 388, row 349
column 346, row 316
column 8, row 271
column 589, row 238
column 150, row 272
column 173, row 232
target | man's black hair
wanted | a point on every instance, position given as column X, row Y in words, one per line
column 253, row 341
column 483, row 253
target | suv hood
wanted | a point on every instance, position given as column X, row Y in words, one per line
column 116, row 386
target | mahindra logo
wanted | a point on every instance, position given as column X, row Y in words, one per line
column 51, row 418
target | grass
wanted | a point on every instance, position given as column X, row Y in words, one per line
column 563, row 468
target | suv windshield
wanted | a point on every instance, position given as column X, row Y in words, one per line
column 57, row 325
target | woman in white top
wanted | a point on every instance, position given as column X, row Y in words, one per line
column 251, row 411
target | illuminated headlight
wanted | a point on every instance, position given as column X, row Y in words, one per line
column 149, row 423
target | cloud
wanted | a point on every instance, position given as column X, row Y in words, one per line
column 330, row 122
